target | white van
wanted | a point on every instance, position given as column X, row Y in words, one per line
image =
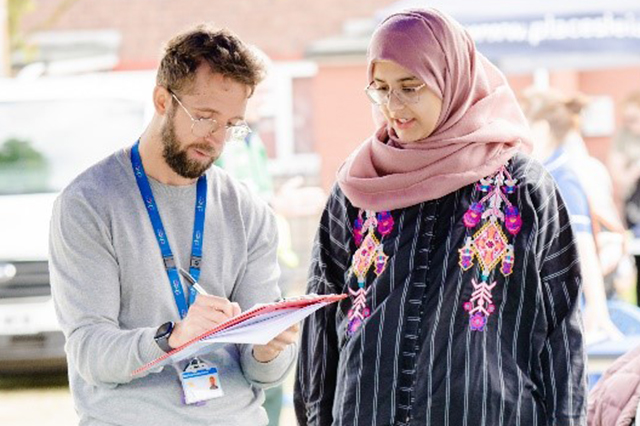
column 67, row 124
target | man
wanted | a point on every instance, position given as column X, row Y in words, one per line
column 121, row 230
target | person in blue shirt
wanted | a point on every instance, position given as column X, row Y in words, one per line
column 555, row 122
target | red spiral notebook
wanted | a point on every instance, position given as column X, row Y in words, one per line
column 257, row 326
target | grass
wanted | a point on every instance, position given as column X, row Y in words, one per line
column 33, row 381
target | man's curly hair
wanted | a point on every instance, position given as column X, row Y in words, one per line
column 222, row 50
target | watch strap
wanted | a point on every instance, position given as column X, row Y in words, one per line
column 162, row 336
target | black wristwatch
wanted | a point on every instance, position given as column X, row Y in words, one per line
column 162, row 336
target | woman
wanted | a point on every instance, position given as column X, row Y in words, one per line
column 455, row 250
column 585, row 186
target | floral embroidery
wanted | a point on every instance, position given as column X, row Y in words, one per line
column 369, row 252
column 359, row 311
column 490, row 244
column 481, row 305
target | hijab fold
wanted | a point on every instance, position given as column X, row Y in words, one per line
column 479, row 129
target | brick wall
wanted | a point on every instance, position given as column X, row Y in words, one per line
column 282, row 28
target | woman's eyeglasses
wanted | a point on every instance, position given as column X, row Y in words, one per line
column 406, row 95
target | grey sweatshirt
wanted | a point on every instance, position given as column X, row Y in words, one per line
column 111, row 293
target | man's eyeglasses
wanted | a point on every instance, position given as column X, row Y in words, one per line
column 203, row 127
column 381, row 96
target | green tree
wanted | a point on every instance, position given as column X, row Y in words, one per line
column 20, row 151
column 22, row 168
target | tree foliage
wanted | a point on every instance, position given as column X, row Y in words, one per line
column 16, row 151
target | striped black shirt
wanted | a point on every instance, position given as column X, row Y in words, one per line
column 415, row 360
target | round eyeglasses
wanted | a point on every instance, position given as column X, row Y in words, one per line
column 203, row 127
column 381, row 96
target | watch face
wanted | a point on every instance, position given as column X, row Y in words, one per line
column 164, row 330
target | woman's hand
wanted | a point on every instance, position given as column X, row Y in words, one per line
column 268, row 352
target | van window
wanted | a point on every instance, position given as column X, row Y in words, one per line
column 44, row 144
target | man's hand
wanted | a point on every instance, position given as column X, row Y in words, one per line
column 205, row 313
column 268, row 352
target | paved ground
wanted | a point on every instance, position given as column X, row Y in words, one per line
column 45, row 401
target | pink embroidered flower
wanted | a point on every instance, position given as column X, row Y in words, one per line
column 357, row 231
column 467, row 306
column 473, row 215
column 385, row 223
column 366, row 312
column 491, row 308
column 513, row 221
column 354, row 325
column 477, row 322
column 507, row 265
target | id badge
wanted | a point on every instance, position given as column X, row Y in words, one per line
column 200, row 382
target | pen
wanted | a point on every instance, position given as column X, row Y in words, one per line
column 193, row 282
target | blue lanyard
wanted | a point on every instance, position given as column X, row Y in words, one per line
column 161, row 235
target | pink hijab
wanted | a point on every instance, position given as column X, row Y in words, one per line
column 480, row 127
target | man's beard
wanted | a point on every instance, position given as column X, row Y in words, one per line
column 178, row 159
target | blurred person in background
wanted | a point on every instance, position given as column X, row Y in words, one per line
column 625, row 167
column 455, row 248
column 585, row 186
column 121, row 229
column 246, row 160
column 609, row 227
column 625, row 158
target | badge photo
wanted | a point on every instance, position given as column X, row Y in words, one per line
column 200, row 382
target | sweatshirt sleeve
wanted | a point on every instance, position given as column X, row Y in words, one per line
column 259, row 284
column 86, row 294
